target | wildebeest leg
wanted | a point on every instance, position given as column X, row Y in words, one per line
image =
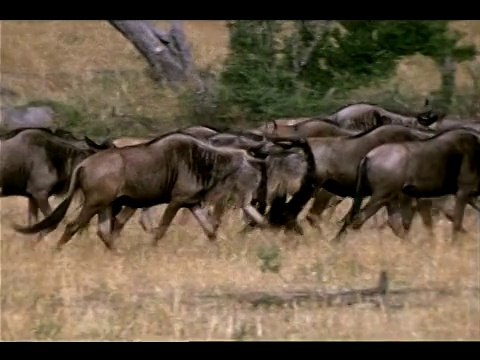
column 167, row 217
column 275, row 214
column 32, row 212
column 461, row 200
column 146, row 220
column 32, row 217
column 450, row 214
column 82, row 220
column 395, row 219
column 321, row 200
column 120, row 220
column 425, row 209
column 253, row 214
column 407, row 210
column 375, row 203
column 217, row 214
column 347, row 219
column 41, row 201
column 202, row 216
column 332, row 205
column 104, row 227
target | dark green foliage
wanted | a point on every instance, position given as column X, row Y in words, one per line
column 273, row 71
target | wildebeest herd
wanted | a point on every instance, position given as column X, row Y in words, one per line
column 407, row 163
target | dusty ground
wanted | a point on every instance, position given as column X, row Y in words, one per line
column 86, row 293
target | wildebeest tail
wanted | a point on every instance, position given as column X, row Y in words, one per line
column 360, row 183
column 59, row 213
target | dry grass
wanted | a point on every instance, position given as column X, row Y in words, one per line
column 90, row 64
column 145, row 294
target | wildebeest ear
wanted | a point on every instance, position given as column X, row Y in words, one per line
column 275, row 126
column 427, row 102
column 93, row 144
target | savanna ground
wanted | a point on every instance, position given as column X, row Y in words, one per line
column 154, row 294
column 157, row 294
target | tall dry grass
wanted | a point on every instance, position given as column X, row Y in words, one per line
column 156, row 294
column 86, row 293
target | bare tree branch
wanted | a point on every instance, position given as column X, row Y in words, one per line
column 147, row 41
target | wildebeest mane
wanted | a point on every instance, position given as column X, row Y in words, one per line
column 402, row 112
column 245, row 133
column 443, row 132
column 318, row 118
column 159, row 137
column 210, row 127
column 362, row 133
column 208, row 164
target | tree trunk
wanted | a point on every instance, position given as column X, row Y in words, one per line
column 167, row 53
column 447, row 68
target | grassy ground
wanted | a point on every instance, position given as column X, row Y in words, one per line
column 145, row 294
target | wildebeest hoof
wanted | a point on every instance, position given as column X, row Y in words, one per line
column 294, row 227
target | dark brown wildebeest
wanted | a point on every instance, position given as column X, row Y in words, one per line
column 447, row 124
column 37, row 163
column 353, row 117
column 290, row 166
column 286, row 161
column 337, row 159
column 146, row 214
column 446, row 164
column 365, row 116
column 314, row 127
column 174, row 168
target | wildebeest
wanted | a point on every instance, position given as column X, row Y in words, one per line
column 174, row 168
column 347, row 121
column 356, row 117
column 337, row 158
column 146, row 214
column 286, row 162
column 446, row 164
column 314, row 127
column 447, row 124
column 37, row 163
column 364, row 116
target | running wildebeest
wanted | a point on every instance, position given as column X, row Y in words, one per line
column 314, row 127
column 356, row 117
column 146, row 214
column 286, row 161
column 352, row 118
column 37, row 163
column 289, row 167
column 364, row 116
column 446, row 164
column 336, row 161
column 174, row 168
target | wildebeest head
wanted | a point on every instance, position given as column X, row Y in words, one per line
column 429, row 117
column 104, row 145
